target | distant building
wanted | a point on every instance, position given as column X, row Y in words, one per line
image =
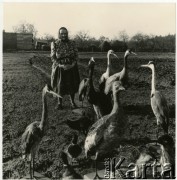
column 17, row 41
column 39, row 44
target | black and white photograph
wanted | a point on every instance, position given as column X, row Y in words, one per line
column 88, row 90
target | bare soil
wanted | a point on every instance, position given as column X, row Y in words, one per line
column 22, row 87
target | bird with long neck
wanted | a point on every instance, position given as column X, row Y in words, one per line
column 35, row 131
column 158, row 102
column 120, row 76
column 108, row 132
column 108, row 72
column 102, row 103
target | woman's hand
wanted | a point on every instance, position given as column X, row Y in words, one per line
column 69, row 66
column 61, row 65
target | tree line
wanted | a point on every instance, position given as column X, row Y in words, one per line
column 86, row 43
column 138, row 42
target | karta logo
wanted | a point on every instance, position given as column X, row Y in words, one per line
column 137, row 171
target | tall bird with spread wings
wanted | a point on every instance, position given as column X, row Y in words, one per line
column 108, row 72
column 120, row 76
column 158, row 102
column 108, row 132
column 102, row 103
column 35, row 131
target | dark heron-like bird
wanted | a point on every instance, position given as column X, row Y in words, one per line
column 102, row 103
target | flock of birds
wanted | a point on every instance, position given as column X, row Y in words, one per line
column 106, row 132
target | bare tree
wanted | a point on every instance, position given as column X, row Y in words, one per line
column 24, row 27
column 81, row 39
column 103, row 38
column 123, row 36
column 48, row 37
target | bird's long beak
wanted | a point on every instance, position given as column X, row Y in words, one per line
column 55, row 94
column 121, row 88
column 115, row 55
column 134, row 53
column 144, row 65
column 51, row 92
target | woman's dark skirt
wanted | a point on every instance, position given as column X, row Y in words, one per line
column 65, row 81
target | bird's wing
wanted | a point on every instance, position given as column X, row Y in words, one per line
column 95, row 134
column 31, row 136
column 83, row 87
column 159, row 105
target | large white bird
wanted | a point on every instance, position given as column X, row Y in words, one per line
column 108, row 132
column 158, row 102
column 108, row 72
column 35, row 131
column 120, row 76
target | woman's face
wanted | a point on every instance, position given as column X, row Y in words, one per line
column 63, row 34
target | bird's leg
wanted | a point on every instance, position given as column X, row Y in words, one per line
column 96, row 175
column 30, row 169
column 33, row 164
column 71, row 161
column 157, row 133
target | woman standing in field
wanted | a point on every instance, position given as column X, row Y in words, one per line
column 65, row 75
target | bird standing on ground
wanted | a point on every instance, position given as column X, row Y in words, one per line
column 108, row 72
column 158, row 102
column 34, row 132
column 102, row 103
column 74, row 150
column 108, row 132
column 69, row 172
column 120, row 76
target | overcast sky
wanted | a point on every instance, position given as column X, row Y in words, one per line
column 99, row 19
